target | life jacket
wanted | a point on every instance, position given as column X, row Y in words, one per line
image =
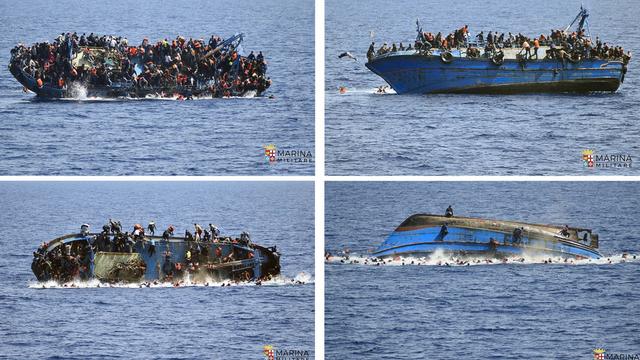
column 39, row 82
column 218, row 252
column 61, row 82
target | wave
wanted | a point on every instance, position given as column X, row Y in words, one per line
column 439, row 258
column 301, row 278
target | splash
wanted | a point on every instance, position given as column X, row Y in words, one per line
column 301, row 278
column 368, row 91
column 77, row 91
column 439, row 258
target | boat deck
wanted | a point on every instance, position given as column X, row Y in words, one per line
column 509, row 53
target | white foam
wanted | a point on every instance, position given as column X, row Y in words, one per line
column 439, row 258
column 368, row 91
column 79, row 93
column 281, row 280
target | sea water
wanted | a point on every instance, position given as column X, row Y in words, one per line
column 89, row 136
column 421, row 308
column 84, row 320
column 536, row 134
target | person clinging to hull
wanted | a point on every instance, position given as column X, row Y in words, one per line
column 168, row 233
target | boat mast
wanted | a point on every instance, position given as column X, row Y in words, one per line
column 583, row 22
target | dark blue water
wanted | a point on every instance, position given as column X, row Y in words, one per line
column 526, row 311
column 471, row 134
column 190, row 322
column 154, row 137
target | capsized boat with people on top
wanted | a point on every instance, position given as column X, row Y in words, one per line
column 564, row 61
column 107, row 66
column 421, row 235
column 116, row 256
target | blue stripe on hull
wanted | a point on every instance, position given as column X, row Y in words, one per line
column 427, row 240
column 414, row 74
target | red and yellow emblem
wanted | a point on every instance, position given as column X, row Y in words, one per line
column 270, row 152
column 598, row 354
column 267, row 351
column 587, row 158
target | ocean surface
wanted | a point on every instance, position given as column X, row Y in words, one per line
column 369, row 134
column 143, row 323
column 160, row 137
column 499, row 311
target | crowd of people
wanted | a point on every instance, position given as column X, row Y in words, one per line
column 65, row 262
column 167, row 67
column 62, row 263
column 561, row 45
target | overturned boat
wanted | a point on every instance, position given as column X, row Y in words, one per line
column 494, row 68
column 107, row 67
column 120, row 257
column 423, row 234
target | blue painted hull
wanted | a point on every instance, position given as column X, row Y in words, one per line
column 262, row 263
column 410, row 73
column 465, row 241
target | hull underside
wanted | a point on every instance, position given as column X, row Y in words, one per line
column 474, row 250
column 413, row 74
column 493, row 239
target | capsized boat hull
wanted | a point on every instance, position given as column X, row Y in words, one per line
column 422, row 235
column 147, row 260
column 408, row 72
